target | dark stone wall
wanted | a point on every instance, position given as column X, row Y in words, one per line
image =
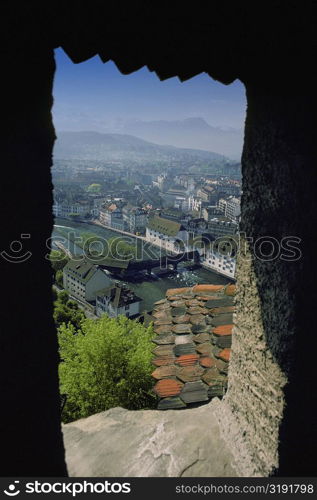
column 270, row 393
column 271, row 48
column 30, row 416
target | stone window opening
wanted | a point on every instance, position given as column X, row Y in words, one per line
column 267, row 413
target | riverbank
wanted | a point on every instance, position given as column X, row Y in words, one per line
column 151, row 288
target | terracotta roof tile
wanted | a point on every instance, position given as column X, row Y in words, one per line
column 207, row 362
column 200, row 328
column 222, row 319
column 193, row 327
column 194, row 392
column 219, row 331
column 164, row 339
column 162, row 329
column 205, row 349
column 224, row 341
column 222, row 365
column 174, row 297
column 225, row 354
column 183, row 339
column 222, row 310
column 181, row 349
column 163, row 350
column 161, row 315
column 168, row 387
column 217, row 390
column 176, row 291
column 201, row 338
column 187, row 359
column 182, row 328
column 176, row 303
column 190, row 373
column 207, row 288
column 230, row 290
column 222, row 302
column 209, row 297
column 164, row 371
column 194, row 303
column 163, row 360
column 166, row 321
column 183, row 318
column 188, row 295
column 197, row 319
column 178, row 311
column 211, row 375
column 161, row 307
column 172, row 403
column 197, row 310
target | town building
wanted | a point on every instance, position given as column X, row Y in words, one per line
column 230, row 207
column 175, row 197
column 194, row 204
column 167, row 234
column 135, row 219
column 221, row 226
column 207, row 194
column 210, row 212
column 185, row 180
column 82, row 279
column 116, row 300
column 66, row 209
column 111, row 215
column 220, row 256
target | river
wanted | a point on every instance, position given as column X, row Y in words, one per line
column 151, row 289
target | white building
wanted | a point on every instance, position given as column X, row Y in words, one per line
column 135, row 218
column 116, row 300
column 221, row 226
column 170, row 235
column 111, row 215
column 82, row 279
column 65, row 210
column 194, row 204
column 220, row 256
column 230, row 207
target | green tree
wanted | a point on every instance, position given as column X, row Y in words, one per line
column 94, row 188
column 105, row 363
column 67, row 311
column 59, row 278
column 58, row 260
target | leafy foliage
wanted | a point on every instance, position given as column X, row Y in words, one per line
column 58, row 260
column 59, row 278
column 67, row 311
column 105, row 363
column 94, row 188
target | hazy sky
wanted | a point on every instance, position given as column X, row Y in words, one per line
column 96, row 96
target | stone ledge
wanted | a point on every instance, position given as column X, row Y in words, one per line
column 148, row 443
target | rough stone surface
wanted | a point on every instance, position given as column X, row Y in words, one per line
column 148, row 443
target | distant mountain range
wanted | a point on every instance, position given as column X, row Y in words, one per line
column 191, row 132
column 98, row 146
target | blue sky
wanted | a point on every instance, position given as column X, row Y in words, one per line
column 96, row 96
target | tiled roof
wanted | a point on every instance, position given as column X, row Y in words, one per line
column 82, row 269
column 193, row 329
column 119, row 296
column 164, row 226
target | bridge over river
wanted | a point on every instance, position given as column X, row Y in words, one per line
column 130, row 267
